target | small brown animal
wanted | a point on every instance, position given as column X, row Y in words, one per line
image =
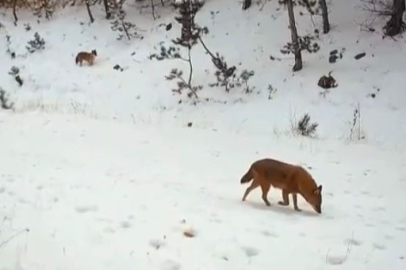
column 85, row 56
column 327, row 82
column 291, row 179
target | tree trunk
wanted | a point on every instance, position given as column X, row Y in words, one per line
column 106, row 8
column 153, row 9
column 14, row 12
column 395, row 24
column 189, row 48
column 295, row 39
column 324, row 12
column 89, row 11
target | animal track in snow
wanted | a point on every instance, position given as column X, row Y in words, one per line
column 108, row 230
column 86, row 209
column 336, row 259
column 352, row 242
column 104, row 220
column 2, row 190
column 250, row 251
column 389, row 237
column 379, row 246
column 24, row 201
column 271, row 234
column 380, row 208
column 215, row 220
column 170, row 265
column 125, row 224
column 386, row 222
column 156, row 243
column 9, row 178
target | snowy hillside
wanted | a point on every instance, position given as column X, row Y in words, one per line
column 107, row 169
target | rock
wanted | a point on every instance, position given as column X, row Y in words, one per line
column 246, row 4
column 359, row 56
column 333, row 52
column 332, row 59
column 117, row 67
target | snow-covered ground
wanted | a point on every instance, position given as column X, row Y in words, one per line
column 98, row 168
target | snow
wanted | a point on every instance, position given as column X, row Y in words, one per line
column 99, row 169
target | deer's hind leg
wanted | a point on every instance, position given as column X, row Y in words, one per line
column 253, row 186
